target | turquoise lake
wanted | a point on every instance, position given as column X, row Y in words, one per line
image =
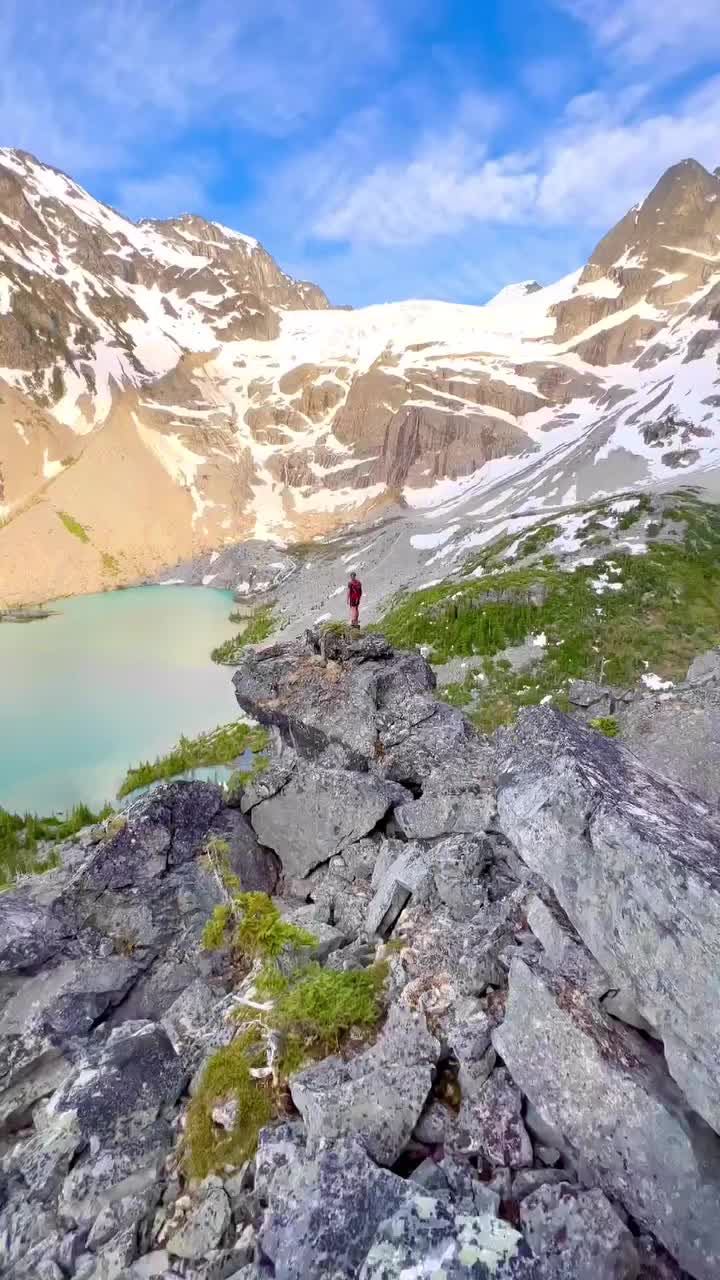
column 110, row 680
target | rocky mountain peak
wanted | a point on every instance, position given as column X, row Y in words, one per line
column 654, row 259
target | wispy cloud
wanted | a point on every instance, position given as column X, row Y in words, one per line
column 106, row 77
column 643, row 32
column 601, row 155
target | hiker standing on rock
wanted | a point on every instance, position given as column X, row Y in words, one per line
column 354, row 596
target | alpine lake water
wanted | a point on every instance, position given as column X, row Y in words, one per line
column 107, row 681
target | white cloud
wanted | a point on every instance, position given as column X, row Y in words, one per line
column 98, row 79
column 649, row 31
column 601, row 157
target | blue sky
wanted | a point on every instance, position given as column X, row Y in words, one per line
column 383, row 148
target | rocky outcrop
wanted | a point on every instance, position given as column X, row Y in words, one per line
column 376, row 1096
column 610, row 1095
column 539, row 1101
column 603, row 833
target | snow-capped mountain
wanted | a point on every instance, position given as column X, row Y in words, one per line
column 167, row 390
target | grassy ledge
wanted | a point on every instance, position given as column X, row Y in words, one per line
column 293, row 1013
column 218, row 746
column 610, row 620
column 259, row 626
column 73, row 526
column 24, row 840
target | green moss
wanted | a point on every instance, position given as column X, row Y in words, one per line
column 607, row 725
column 251, row 925
column 312, row 1011
column 110, row 564
column 226, row 1077
column 26, row 841
column 218, row 746
column 73, row 526
column 322, row 1005
column 260, row 625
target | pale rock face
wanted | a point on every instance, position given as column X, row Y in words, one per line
column 175, row 391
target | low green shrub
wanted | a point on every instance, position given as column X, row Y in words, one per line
column 304, row 1012
column 21, row 836
column 252, row 927
column 218, row 746
column 260, row 625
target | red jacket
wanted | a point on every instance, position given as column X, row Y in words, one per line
column 354, row 593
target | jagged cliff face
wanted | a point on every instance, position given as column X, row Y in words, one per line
column 170, row 388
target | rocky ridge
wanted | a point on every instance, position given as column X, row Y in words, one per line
column 225, row 401
column 541, row 1099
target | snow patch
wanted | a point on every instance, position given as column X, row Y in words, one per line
column 51, row 468
column 180, row 463
column 426, row 541
column 656, row 682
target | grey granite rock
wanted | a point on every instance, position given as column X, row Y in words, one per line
column 376, row 1096
column 609, row 1093
column 577, row 1234
column 635, row 863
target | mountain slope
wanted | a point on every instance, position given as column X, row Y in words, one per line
column 174, row 391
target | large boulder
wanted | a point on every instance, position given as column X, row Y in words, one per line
column 119, row 1087
column 163, row 830
column 635, row 863
column 678, row 734
column 609, row 1094
column 578, row 1234
column 376, row 1096
column 324, row 1204
column 366, row 705
column 318, row 812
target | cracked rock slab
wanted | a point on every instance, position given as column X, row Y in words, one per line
column 635, row 863
column 376, row 1096
column 608, row 1092
column 319, row 812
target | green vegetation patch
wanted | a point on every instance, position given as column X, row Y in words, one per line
column 227, row 1078
column 26, row 841
column 110, row 564
column 606, row 621
column 607, row 725
column 73, row 526
column 302, row 1010
column 251, row 926
column 479, row 616
column 218, row 746
column 538, row 539
column 260, row 625
column 320, row 1007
